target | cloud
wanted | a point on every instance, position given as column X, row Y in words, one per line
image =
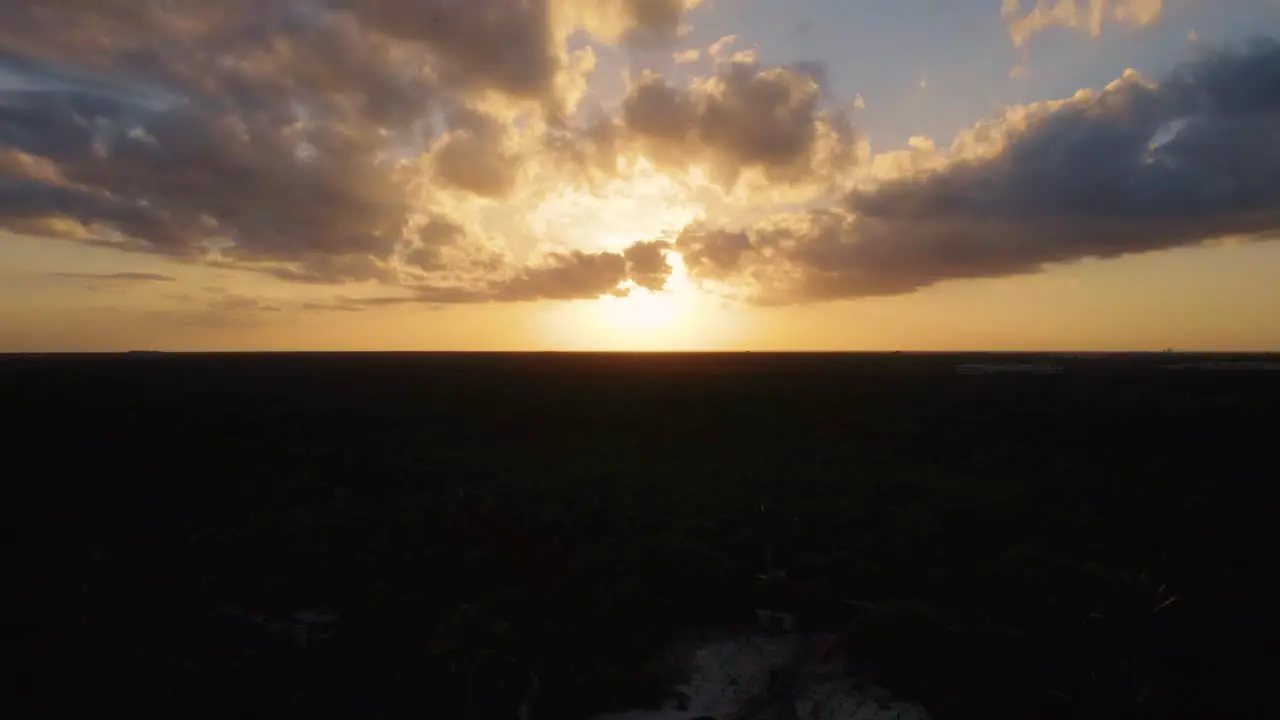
column 745, row 117
column 335, row 141
column 1087, row 16
column 516, row 47
column 319, row 141
column 719, row 48
column 180, row 181
column 576, row 275
column 686, row 57
column 565, row 276
column 475, row 156
column 647, row 264
column 241, row 304
column 652, row 22
column 1132, row 168
column 124, row 276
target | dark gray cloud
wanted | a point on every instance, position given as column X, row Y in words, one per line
column 565, row 276
column 256, row 132
column 746, row 116
column 186, row 183
column 571, row 275
column 254, row 58
column 435, row 236
column 656, row 110
column 1133, row 168
column 710, row 252
column 1201, row 146
column 506, row 45
column 514, row 46
column 125, row 276
column 647, row 264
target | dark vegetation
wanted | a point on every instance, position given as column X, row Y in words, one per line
column 1089, row 544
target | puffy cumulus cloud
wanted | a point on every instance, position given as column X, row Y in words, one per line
column 435, row 238
column 746, row 117
column 565, row 276
column 517, row 46
column 714, row 253
column 1135, row 167
column 192, row 183
column 639, row 22
column 1082, row 15
column 477, row 155
column 647, row 264
column 319, row 141
column 1198, row 149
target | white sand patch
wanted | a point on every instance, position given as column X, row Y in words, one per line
column 773, row 677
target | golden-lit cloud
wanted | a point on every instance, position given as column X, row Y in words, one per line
column 719, row 49
column 686, row 57
column 1087, row 16
column 316, row 142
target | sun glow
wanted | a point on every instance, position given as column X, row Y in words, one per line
column 680, row 317
column 643, row 204
column 644, row 311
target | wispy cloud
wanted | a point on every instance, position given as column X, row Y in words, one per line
column 720, row 48
column 123, row 276
column 1087, row 16
column 686, row 57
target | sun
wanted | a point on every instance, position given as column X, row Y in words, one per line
column 681, row 316
column 649, row 312
column 641, row 310
column 640, row 319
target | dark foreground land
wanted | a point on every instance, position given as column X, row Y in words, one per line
column 1087, row 544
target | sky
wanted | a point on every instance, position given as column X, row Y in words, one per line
column 639, row 175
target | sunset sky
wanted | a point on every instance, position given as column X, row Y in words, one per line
column 639, row 174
